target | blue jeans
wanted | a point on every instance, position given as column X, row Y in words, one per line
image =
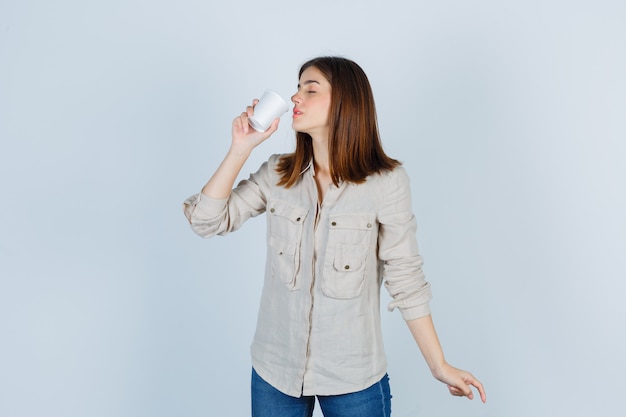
column 267, row 401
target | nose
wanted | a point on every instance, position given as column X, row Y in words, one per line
column 295, row 99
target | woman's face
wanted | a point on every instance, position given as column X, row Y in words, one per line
column 312, row 104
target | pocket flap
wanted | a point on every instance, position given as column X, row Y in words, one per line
column 287, row 210
column 348, row 264
column 352, row 221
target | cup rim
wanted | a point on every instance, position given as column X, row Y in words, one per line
column 272, row 92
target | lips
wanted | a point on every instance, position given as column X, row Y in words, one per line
column 296, row 113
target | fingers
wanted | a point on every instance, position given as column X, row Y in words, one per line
column 273, row 127
column 458, row 392
column 242, row 128
column 242, row 120
column 240, row 123
column 464, row 389
column 471, row 381
column 476, row 383
column 250, row 109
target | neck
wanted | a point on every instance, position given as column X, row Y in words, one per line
column 320, row 156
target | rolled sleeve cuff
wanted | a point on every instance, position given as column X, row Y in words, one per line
column 200, row 206
column 415, row 306
column 412, row 313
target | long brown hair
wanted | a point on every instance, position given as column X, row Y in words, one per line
column 354, row 146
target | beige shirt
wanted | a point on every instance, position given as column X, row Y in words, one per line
column 318, row 329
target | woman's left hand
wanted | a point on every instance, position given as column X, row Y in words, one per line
column 459, row 382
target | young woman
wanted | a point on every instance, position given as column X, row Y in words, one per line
column 340, row 225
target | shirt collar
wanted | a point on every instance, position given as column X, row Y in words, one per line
column 308, row 167
column 311, row 169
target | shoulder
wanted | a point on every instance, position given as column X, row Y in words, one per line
column 392, row 178
column 268, row 171
column 271, row 163
column 276, row 159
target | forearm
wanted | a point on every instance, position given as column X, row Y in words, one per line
column 244, row 139
column 221, row 183
column 425, row 335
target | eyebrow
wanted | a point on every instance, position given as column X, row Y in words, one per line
column 309, row 82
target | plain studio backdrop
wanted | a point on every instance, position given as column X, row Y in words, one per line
column 509, row 117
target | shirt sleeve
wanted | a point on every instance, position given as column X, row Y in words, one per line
column 212, row 216
column 397, row 249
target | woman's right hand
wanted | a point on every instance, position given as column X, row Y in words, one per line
column 244, row 137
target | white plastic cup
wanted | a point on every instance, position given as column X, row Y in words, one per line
column 271, row 106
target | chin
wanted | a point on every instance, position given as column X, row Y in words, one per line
column 297, row 128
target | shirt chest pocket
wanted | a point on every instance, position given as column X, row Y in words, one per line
column 285, row 226
column 349, row 240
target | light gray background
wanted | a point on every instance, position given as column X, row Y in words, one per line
column 509, row 117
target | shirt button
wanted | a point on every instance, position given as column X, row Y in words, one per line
column 369, row 225
column 346, row 267
column 334, row 223
column 298, row 219
column 272, row 210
